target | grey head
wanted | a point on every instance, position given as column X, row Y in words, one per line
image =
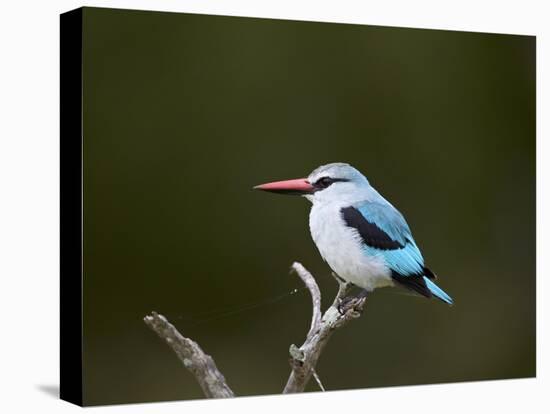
column 338, row 181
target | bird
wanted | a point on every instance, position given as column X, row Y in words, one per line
column 363, row 238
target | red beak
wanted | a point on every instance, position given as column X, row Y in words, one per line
column 299, row 186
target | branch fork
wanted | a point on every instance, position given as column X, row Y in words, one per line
column 303, row 359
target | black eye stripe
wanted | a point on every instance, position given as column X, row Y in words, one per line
column 325, row 182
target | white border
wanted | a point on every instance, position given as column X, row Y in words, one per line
column 29, row 204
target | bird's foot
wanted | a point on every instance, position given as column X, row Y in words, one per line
column 354, row 302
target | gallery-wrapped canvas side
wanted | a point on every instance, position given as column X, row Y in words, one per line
column 71, row 206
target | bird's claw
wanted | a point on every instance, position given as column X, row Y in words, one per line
column 345, row 304
column 352, row 303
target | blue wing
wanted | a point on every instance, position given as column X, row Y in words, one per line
column 386, row 234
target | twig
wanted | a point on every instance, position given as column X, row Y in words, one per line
column 318, row 380
column 315, row 293
column 201, row 365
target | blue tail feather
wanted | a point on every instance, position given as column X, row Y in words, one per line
column 437, row 291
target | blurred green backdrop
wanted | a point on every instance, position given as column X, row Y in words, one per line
column 183, row 114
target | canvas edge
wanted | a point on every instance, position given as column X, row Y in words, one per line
column 71, row 387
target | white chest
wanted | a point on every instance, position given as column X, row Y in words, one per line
column 340, row 246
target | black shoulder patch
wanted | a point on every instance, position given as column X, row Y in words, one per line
column 371, row 234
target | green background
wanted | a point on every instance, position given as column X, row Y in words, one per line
column 183, row 114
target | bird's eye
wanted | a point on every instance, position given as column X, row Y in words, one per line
column 324, row 182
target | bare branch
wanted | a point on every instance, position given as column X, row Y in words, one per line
column 201, row 365
column 310, row 283
column 304, row 359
